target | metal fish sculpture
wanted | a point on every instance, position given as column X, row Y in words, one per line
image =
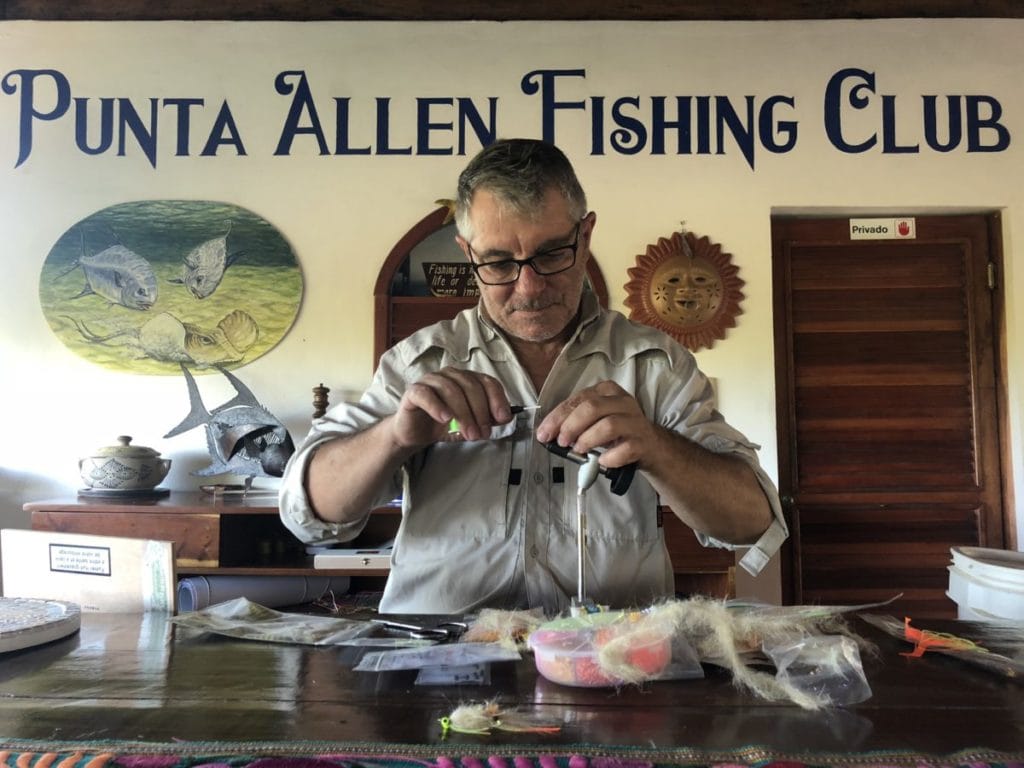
column 242, row 437
column 205, row 265
column 119, row 275
column 167, row 339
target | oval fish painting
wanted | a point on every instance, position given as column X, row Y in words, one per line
column 147, row 286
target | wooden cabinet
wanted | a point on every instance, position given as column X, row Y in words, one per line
column 698, row 569
column 211, row 534
column 241, row 537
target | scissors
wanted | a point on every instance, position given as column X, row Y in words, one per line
column 441, row 631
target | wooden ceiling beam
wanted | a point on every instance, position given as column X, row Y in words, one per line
column 502, row 10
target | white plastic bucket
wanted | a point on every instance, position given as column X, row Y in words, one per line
column 987, row 584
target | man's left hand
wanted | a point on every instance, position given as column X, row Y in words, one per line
column 602, row 416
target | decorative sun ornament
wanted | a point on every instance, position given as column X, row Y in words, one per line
column 686, row 287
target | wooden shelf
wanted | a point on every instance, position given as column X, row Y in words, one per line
column 283, row 570
column 212, row 535
column 236, row 536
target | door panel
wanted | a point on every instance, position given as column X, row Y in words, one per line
column 854, row 555
column 887, row 418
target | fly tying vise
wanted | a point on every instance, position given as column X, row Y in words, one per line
column 590, row 468
column 585, row 478
column 620, row 479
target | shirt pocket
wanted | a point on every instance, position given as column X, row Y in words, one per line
column 612, row 519
column 460, row 491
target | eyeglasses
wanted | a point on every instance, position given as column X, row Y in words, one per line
column 549, row 262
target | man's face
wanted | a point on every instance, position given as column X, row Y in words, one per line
column 535, row 308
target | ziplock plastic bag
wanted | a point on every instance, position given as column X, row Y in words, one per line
column 685, row 664
column 826, row 667
column 251, row 621
column 450, row 654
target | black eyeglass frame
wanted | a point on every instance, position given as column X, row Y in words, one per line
column 530, row 261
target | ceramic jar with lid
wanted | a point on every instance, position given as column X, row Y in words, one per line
column 124, row 467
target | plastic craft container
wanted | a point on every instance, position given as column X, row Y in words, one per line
column 601, row 649
column 987, row 584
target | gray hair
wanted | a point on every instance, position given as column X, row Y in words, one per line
column 519, row 172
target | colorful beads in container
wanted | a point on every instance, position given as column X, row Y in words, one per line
column 602, row 649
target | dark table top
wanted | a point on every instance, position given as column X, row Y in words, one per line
column 138, row 677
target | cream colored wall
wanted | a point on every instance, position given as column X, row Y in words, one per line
column 343, row 214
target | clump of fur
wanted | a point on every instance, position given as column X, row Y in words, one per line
column 507, row 628
column 733, row 638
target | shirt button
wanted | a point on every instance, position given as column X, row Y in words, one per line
column 538, row 478
column 533, row 551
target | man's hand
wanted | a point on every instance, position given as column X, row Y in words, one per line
column 602, row 416
column 717, row 494
column 369, row 458
column 475, row 400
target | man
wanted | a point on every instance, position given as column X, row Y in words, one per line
column 489, row 514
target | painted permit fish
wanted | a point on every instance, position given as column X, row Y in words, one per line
column 169, row 340
column 242, row 437
column 120, row 276
column 205, row 265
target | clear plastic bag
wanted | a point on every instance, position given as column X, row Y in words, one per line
column 451, row 654
column 685, row 664
column 251, row 621
column 825, row 667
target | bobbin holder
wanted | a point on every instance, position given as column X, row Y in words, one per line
column 619, row 477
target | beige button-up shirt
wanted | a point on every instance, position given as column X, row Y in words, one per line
column 493, row 523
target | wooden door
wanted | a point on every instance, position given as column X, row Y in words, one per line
column 888, row 428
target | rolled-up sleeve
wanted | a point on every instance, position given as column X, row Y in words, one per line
column 688, row 407
column 340, row 421
column 758, row 554
column 297, row 513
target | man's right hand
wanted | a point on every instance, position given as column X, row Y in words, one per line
column 425, row 414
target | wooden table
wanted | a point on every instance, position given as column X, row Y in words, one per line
column 137, row 677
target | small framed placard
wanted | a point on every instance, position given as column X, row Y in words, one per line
column 68, row 558
column 450, row 278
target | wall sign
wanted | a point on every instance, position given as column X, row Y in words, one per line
column 447, row 278
column 198, row 124
column 883, row 229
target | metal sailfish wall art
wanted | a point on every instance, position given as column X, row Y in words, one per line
column 242, row 437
